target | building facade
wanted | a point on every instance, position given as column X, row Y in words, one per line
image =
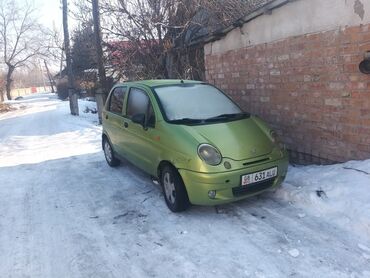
column 296, row 65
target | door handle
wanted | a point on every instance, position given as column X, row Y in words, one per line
column 125, row 125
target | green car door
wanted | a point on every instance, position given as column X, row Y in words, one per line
column 139, row 140
column 113, row 118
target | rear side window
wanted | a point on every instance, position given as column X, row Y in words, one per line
column 116, row 100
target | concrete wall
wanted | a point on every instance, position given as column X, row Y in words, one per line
column 306, row 85
column 27, row 91
column 293, row 19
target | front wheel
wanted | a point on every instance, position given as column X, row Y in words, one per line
column 109, row 154
column 174, row 190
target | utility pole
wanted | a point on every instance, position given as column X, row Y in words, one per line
column 61, row 64
column 102, row 90
column 73, row 100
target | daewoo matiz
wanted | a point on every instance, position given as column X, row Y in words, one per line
column 195, row 140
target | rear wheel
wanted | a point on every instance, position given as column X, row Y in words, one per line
column 174, row 190
column 109, row 154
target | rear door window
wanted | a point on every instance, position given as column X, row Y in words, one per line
column 116, row 100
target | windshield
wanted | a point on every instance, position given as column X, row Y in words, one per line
column 196, row 102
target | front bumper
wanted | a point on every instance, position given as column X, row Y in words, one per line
column 227, row 184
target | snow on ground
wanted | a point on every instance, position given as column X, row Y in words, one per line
column 65, row 213
column 339, row 193
column 47, row 137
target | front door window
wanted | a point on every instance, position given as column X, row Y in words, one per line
column 139, row 103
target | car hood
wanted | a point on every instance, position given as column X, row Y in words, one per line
column 238, row 140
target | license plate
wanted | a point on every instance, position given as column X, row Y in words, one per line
column 259, row 176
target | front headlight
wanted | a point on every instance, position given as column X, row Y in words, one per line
column 276, row 140
column 209, row 154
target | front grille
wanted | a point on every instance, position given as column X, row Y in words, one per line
column 256, row 161
column 253, row 188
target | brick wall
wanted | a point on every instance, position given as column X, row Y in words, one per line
column 308, row 88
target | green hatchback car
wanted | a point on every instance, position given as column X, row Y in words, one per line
column 196, row 141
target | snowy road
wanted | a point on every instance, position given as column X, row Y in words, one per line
column 65, row 213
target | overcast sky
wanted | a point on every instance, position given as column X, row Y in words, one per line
column 50, row 13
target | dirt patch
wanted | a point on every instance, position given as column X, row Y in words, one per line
column 5, row 107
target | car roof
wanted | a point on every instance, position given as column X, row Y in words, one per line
column 160, row 82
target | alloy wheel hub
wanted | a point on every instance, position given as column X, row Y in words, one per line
column 169, row 188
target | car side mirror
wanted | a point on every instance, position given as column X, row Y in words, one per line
column 139, row 119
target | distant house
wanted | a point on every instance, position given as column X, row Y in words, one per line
column 296, row 64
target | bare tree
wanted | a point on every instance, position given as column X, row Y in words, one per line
column 160, row 38
column 153, row 37
column 56, row 49
column 102, row 87
column 2, row 81
column 140, row 27
column 73, row 100
column 31, row 76
column 50, row 77
column 21, row 37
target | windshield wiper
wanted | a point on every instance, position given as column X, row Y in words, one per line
column 229, row 116
column 186, row 121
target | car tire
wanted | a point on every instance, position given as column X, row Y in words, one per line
column 174, row 190
column 109, row 153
